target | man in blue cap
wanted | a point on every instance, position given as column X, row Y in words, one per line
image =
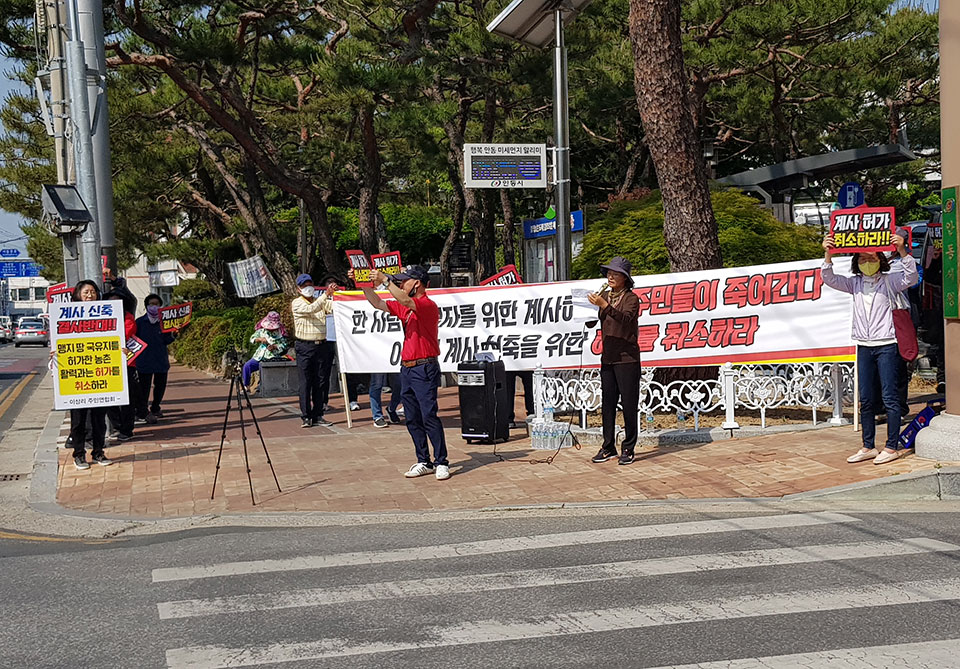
column 419, row 363
column 314, row 352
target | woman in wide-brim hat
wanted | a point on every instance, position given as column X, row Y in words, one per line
column 619, row 360
column 271, row 339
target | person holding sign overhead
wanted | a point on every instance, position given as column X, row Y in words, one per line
column 420, row 363
column 620, row 360
column 310, row 311
column 875, row 285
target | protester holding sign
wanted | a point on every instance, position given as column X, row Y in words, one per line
column 619, row 360
column 420, row 365
column 153, row 365
column 123, row 418
column 87, row 291
column 875, row 285
column 310, row 311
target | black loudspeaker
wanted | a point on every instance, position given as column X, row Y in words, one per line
column 484, row 401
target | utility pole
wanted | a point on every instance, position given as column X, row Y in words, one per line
column 90, row 266
column 561, row 168
column 90, row 14
column 53, row 20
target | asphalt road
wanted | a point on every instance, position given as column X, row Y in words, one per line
column 617, row 590
column 20, row 370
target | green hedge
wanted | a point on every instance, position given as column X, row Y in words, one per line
column 203, row 342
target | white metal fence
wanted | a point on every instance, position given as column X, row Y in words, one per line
column 819, row 387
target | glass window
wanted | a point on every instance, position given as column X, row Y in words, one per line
column 23, row 294
column 39, row 293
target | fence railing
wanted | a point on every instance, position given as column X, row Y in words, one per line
column 819, row 387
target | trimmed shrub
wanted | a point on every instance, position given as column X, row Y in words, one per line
column 203, row 342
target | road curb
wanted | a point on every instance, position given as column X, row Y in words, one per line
column 46, row 463
column 943, row 483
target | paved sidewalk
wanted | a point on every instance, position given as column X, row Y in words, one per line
column 168, row 469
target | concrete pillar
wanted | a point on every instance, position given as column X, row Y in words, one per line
column 941, row 441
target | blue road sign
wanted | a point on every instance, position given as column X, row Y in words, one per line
column 19, row 268
column 9, row 253
column 850, row 195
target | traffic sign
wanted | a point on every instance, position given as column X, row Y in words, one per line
column 17, row 268
column 851, row 195
column 9, row 253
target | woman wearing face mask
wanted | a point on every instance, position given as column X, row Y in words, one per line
column 875, row 285
column 87, row 291
column 153, row 364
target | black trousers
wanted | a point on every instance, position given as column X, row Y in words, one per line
column 621, row 383
column 78, row 429
column 527, row 379
column 312, row 359
column 122, row 418
column 159, row 382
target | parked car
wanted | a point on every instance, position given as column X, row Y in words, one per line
column 31, row 331
column 6, row 334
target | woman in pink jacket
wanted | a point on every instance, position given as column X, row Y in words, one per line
column 875, row 284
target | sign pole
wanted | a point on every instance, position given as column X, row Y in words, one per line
column 561, row 162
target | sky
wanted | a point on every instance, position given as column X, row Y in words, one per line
column 10, row 223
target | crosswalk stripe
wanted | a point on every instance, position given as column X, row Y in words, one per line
column 580, row 622
column 490, row 546
column 920, row 655
column 535, row 578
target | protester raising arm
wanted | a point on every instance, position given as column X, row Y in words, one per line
column 844, row 284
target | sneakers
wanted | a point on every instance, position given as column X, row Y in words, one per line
column 394, row 417
column 102, row 459
column 420, row 469
column 380, row 422
column 158, row 413
column 151, row 419
column 306, row 422
column 443, row 472
column 603, row 455
column 321, row 422
column 886, row 456
column 81, row 462
column 863, row 454
column 123, row 437
column 626, row 458
column 141, row 421
column 354, row 406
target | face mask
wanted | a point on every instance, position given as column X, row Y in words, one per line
column 870, row 268
column 307, row 291
column 153, row 311
column 413, row 292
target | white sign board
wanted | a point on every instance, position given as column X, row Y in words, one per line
column 505, row 165
column 89, row 363
column 251, row 277
column 765, row 313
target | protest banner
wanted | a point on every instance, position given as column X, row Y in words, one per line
column 58, row 293
column 507, row 276
column 361, row 269
column 936, row 235
column 388, row 263
column 768, row 313
column 87, row 339
column 251, row 277
column 863, row 229
column 175, row 317
column 135, row 346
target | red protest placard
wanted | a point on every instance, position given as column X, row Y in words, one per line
column 361, row 268
column 388, row 263
column 135, row 347
column 507, row 276
column 175, row 317
column 863, row 229
column 59, row 292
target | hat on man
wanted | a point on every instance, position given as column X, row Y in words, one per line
column 622, row 265
column 304, row 278
column 418, row 272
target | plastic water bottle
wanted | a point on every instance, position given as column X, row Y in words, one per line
column 537, row 430
column 548, row 414
column 681, row 420
column 649, row 419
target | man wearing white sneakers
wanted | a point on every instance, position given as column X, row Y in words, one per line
column 420, row 364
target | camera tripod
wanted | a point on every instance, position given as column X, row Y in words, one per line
column 239, row 392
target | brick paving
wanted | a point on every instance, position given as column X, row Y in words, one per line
column 167, row 469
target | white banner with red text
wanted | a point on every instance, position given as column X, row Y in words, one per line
column 765, row 313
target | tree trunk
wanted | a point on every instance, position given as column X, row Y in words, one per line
column 690, row 229
column 508, row 238
column 370, row 241
column 484, row 224
column 270, row 246
column 459, row 208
